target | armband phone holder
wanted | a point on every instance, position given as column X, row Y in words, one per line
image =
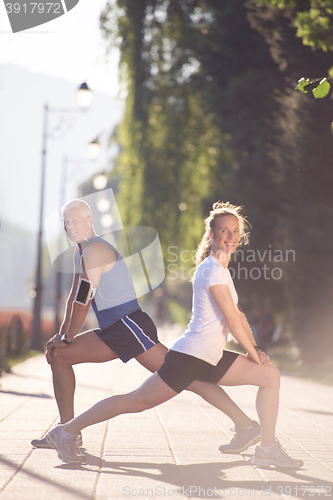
column 85, row 292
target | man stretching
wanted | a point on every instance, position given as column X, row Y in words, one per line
column 102, row 279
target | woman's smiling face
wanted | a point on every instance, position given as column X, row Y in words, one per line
column 226, row 234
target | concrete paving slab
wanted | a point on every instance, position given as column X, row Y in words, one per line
column 169, row 451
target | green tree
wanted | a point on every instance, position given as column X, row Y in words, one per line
column 212, row 113
column 311, row 18
column 194, row 134
column 171, row 149
column 302, row 150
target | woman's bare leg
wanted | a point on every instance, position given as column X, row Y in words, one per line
column 213, row 394
column 151, row 393
column 244, row 371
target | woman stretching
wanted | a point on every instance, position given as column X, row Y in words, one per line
column 199, row 353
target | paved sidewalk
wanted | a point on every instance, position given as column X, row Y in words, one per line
column 169, row 451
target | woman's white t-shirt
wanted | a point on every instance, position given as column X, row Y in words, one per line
column 207, row 332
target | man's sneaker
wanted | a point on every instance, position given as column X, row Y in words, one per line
column 42, row 443
column 275, row 455
column 65, row 444
column 242, row 439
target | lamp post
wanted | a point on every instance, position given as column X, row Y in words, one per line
column 84, row 99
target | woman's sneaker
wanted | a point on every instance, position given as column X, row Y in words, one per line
column 65, row 444
column 42, row 443
column 275, row 455
column 242, row 439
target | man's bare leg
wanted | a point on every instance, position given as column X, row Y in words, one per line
column 86, row 348
column 89, row 348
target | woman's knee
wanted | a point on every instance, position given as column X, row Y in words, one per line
column 272, row 376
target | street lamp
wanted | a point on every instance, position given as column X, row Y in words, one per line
column 84, row 99
column 84, row 96
column 100, row 181
column 93, row 149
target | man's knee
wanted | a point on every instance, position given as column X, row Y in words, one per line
column 60, row 358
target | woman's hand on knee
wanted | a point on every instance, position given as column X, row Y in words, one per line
column 261, row 358
column 264, row 358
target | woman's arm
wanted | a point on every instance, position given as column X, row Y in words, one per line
column 235, row 322
column 264, row 358
column 246, row 325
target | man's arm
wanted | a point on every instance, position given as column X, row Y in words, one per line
column 69, row 304
column 74, row 320
column 96, row 257
column 55, row 341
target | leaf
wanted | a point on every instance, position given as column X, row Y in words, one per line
column 322, row 90
column 302, row 82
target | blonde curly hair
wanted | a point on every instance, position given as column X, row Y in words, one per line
column 219, row 210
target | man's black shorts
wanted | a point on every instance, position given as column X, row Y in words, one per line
column 179, row 370
column 130, row 336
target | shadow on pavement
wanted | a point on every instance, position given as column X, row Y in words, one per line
column 208, row 476
column 319, row 412
column 37, row 477
column 45, row 396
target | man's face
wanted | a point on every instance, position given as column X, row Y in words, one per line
column 77, row 226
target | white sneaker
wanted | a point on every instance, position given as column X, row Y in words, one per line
column 275, row 455
column 42, row 443
column 65, row 445
column 243, row 438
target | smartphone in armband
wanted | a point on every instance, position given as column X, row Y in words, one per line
column 85, row 292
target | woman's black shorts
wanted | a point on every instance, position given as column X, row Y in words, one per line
column 179, row 370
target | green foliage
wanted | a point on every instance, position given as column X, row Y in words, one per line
column 312, row 20
column 188, row 92
column 171, row 149
column 303, row 85
column 320, row 88
column 302, row 150
column 315, row 25
column 211, row 114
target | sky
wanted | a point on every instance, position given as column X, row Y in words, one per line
column 42, row 65
column 69, row 47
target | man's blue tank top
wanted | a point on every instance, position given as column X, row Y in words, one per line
column 115, row 296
